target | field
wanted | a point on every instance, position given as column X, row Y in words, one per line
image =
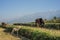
column 52, row 32
column 36, row 33
column 6, row 36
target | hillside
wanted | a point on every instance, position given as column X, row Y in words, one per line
column 32, row 17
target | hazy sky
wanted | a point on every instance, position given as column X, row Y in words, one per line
column 16, row 8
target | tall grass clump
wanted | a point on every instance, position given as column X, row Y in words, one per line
column 36, row 34
column 53, row 26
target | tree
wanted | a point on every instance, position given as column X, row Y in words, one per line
column 39, row 22
column 55, row 18
column 3, row 24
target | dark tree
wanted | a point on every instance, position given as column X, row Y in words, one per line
column 3, row 24
column 55, row 17
column 39, row 22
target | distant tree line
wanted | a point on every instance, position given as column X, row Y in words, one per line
column 54, row 20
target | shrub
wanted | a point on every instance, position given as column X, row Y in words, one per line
column 52, row 26
column 36, row 34
column 10, row 28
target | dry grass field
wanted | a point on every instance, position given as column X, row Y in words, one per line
column 7, row 36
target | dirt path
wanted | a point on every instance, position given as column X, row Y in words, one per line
column 7, row 36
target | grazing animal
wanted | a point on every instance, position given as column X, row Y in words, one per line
column 16, row 29
column 39, row 22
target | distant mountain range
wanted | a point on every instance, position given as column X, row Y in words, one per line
column 32, row 17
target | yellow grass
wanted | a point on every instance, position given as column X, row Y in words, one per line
column 7, row 36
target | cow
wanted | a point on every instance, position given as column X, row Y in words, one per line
column 39, row 22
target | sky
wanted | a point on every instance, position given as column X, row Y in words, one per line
column 10, row 9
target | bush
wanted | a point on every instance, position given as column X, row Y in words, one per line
column 9, row 29
column 52, row 26
column 36, row 34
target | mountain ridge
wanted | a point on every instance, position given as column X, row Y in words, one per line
column 32, row 17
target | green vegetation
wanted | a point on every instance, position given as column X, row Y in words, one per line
column 35, row 33
column 47, row 25
column 52, row 26
column 54, row 20
column 38, row 33
column 48, row 32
